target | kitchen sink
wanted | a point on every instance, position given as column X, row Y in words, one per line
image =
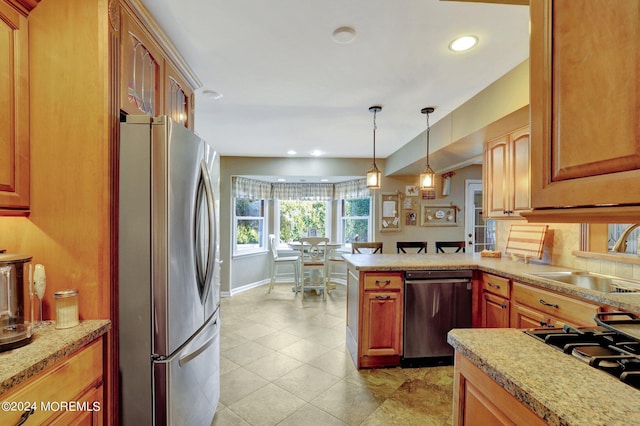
column 593, row 281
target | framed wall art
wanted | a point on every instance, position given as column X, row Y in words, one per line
column 391, row 211
column 434, row 215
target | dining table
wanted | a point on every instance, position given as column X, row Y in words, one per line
column 313, row 277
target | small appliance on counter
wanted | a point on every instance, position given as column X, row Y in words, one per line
column 16, row 313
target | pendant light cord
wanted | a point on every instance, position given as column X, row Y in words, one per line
column 374, row 136
column 428, row 131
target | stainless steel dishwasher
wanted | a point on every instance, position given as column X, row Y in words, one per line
column 435, row 302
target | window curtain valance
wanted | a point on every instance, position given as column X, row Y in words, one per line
column 352, row 189
column 257, row 189
column 251, row 188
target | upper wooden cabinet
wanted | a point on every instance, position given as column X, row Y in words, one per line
column 150, row 83
column 14, row 121
column 141, row 61
column 585, row 98
column 178, row 97
column 506, row 174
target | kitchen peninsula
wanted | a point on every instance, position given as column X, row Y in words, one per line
column 544, row 382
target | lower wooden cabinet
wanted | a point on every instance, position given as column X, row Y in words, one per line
column 495, row 311
column 549, row 309
column 495, row 301
column 68, row 393
column 478, row 400
column 382, row 323
column 375, row 309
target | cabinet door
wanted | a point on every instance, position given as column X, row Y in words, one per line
column 519, row 173
column 495, row 311
column 14, row 120
column 382, row 324
column 478, row 400
column 178, row 97
column 523, row 317
column 495, row 177
column 141, row 62
column 584, row 106
column 90, row 414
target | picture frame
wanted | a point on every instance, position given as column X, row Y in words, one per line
column 390, row 211
column 438, row 215
column 411, row 190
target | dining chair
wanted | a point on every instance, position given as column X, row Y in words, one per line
column 314, row 259
column 420, row 245
column 278, row 261
column 458, row 245
column 336, row 269
column 370, row 247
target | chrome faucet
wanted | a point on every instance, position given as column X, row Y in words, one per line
column 621, row 245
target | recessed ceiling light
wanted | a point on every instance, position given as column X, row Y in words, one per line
column 282, row 180
column 316, row 153
column 463, row 43
column 324, row 180
column 291, row 152
column 343, row 35
column 212, row 95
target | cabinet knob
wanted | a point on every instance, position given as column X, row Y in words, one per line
column 383, row 297
column 492, row 285
column 553, row 305
column 25, row 416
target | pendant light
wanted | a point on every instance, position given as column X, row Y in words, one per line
column 428, row 176
column 374, row 175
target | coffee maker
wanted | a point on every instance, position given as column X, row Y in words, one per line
column 16, row 313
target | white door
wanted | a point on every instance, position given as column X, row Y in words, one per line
column 479, row 234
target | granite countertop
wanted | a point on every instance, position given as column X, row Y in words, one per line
column 506, row 267
column 48, row 346
column 559, row 388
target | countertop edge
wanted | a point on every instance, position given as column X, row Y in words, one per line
column 518, row 271
column 69, row 341
column 546, row 380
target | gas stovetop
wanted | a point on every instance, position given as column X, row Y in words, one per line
column 600, row 347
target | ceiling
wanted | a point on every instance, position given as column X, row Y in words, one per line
column 287, row 85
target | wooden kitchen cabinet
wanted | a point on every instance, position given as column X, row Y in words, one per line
column 495, row 303
column 479, row 400
column 150, row 83
column 375, row 302
column 178, row 98
column 76, row 379
column 584, row 110
column 14, row 121
column 506, row 174
column 141, row 72
column 543, row 308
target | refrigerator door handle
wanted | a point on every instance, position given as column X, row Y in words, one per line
column 192, row 355
column 183, row 360
column 206, row 275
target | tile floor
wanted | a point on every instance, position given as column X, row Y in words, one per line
column 287, row 364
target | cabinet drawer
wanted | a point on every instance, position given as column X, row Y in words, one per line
column 63, row 382
column 386, row 281
column 566, row 309
column 496, row 285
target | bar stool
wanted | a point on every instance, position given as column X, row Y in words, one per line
column 458, row 245
column 420, row 245
column 278, row 261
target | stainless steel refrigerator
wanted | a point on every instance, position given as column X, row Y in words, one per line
column 169, row 274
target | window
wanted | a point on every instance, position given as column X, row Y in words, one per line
column 250, row 226
column 298, row 219
column 355, row 220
